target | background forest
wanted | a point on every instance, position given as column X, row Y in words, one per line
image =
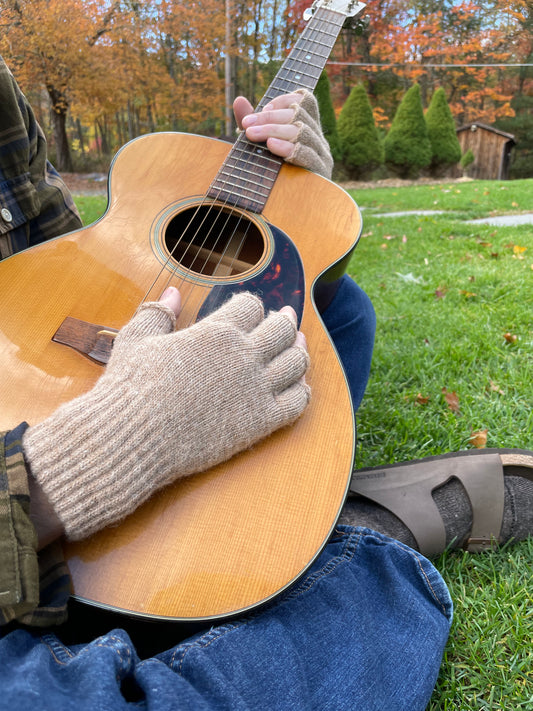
column 101, row 72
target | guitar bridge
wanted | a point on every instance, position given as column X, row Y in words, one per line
column 93, row 341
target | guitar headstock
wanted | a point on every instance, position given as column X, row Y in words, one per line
column 350, row 8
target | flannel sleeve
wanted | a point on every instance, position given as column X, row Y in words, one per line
column 34, row 588
column 35, row 204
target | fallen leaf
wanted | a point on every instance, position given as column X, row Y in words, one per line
column 452, row 399
column 496, row 388
column 515, row 204
column 478, row 439
column 440, row 293
column 483, row 243
column 467, row 294
column 510, row 337
column 421, row 399
column 518, row 251
column 471, row 279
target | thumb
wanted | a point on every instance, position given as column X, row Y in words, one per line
column 153, row 318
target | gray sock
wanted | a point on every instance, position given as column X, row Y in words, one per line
column 455, row 510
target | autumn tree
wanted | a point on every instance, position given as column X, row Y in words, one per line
column 407, row 146
column 520, row 44
column 445, row 147
column 361, row 148
column 49, row 44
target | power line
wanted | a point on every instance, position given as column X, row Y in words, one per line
column 420, row 64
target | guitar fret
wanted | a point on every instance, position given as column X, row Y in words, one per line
column 226, row 184
column 246, row 171
column 248, row 174
column 242, row 162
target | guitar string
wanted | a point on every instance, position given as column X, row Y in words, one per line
column 253, row 149
column 287, row 82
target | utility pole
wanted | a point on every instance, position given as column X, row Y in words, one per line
column 227, row 73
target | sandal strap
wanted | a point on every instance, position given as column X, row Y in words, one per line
column 405, row 490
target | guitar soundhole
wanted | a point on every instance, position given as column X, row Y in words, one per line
column 214, row 241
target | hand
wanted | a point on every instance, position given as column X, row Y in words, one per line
column 290, row 127
column 169, row 404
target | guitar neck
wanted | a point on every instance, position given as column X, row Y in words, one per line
column 248, row 174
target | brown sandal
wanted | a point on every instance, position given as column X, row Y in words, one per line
column 405, row 489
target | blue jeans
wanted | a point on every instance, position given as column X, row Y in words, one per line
column 351, row 322
column 363, row 630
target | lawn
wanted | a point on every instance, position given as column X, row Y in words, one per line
column 453, row 356
column 454, row 309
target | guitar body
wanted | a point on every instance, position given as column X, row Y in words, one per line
column 224, row 541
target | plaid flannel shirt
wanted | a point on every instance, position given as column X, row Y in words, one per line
column 35, row 205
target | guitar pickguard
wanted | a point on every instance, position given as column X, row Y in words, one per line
column 280, row 283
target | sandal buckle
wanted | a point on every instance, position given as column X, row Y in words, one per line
column 480, row 544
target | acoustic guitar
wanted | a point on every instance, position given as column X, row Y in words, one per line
column 211, row 219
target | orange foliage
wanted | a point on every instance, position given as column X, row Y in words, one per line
column 129, row 68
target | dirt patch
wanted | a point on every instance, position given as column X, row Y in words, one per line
column 399, row 183
column 86, row 183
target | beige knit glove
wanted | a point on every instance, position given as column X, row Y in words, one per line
column 168, row 405
column 311, row 150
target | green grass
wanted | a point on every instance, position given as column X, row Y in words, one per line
column 90, row 207
column 446, row 294
column 471, row 199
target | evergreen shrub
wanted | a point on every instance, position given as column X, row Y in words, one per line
column 327, row 115
column 407, row 145
column 362, row 151
column 445, row 147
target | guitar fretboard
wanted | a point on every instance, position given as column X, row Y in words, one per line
column 248, row 174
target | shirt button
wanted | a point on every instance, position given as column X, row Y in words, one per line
column 7, row 216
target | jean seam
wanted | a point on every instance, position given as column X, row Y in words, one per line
column 55, row 647
column 419, row 559
column 206, row 640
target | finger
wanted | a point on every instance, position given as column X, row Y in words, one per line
column 283, row 149
column 274, row 335
column 245, row 311
column 293, row 401
column 152, row 319
column 287, row 368
column 280, row 117
column 241, row 108
column 284, row 101
column 291, row 313
column 278, row 137
column 171, row 297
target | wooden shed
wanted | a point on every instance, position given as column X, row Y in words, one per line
column 491, row 149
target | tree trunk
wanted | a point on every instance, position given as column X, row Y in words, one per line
column 63, row 161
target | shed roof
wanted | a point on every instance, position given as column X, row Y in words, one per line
column 476, row 124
